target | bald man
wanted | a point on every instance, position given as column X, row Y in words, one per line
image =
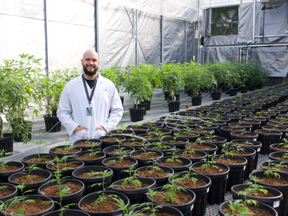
column 89, row 98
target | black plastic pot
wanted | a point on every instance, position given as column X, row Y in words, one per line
column 190, row 136
column 267, row 138
column 202, row 155
column 92, row 197
column 210, row 148
column 179, row 142
column 34, row 197
column 283, row 188
column 276, row 164
column 109, row 151
column 184, row 208
column 274, row 201
column 201, row 193
column 217, row 140
column 90, row 181
column 196, row 100
column 135, row 195
column 118, row 174
column 67, row 199
column 6, row 142
column 279, row 154
column 173, row 106
column 164, row 209
column 31, row 186
column 145, row 161
column 136, row 114
column 256, row 146
column 67, row 212
column 246, row 135
column 283, row 129
column 60, row 155
column 216, row 95
column 138, row 129
column 87, row 147
column 160, row 180
column 67, row 171
column 167, row 151
column 184, row 166
column 42, row 165
column 5, row 175
column 277, row 147
column 233, row 91
column 256, row 124
column 247, row 126
column 115, row 140
column 217, row 191
column 226, row 130
column 237, row 171
column 12, row 188
column 52, row 123
column 89, row 162
column 250, row 158
column 260, row 205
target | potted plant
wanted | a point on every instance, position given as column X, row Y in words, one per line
column 172, row 79
column 139, row 88
column 197, row 77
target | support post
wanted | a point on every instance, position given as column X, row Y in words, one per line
column 96, row 23
column 185, row 45
column 254, row 21
column 136, row 38
column 46, row 37
column 162, row 39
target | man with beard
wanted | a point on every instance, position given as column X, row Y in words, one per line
column 90, row 105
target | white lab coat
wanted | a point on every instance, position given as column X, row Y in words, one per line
column 74, row 99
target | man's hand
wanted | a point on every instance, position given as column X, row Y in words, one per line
column 77, row 129
column 101, row 128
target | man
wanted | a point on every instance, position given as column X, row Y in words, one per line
column 89, row 97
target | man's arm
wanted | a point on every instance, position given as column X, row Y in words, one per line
column 64, row 113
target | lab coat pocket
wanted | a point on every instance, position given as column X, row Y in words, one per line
column 98, row 133
column 104, row 99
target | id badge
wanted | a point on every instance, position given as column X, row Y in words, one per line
column 89, row 111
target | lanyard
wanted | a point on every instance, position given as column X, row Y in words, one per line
column 86, row 90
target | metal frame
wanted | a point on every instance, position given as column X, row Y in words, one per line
column 46, row 37
column 96, row 27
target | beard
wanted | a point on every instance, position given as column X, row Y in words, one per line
column 90, row 73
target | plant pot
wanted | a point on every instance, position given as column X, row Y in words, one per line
column 138, row 129
column 6, row 142
column 196, row 100
column 137, row 143
column 226, row 130
column 233, row 91
column 252, row 87
column 217, row 191
column 166, row 150
column 89, row 161
column 216, row 95
column 173, row 106
column 277, row 165
column 73, row 151
column 67, row 199
column 52, row 123
column 13, row 191
column 111, row 140
column 90, row 198
column 237, row 170
column 162, row 180
column 260, row 206
column 50, row 206
column 200, row 191
column 30, row 186
column 117, row 170
column 247, row 126
column 167, row 210
column 278, row 155
column 277, row 147
column 273, row 201
column 142, row 160
column 67, row 212
column 136, row 114
column 4, row 175
column 248, row 135
column 217, row 140
column 29, row 160
column 267, row 138
column 179, row 142
column 196, row 157
column 185, row 208
column 250, row 156
column 256, row 124
column 93, row 180
column 66, row 171
column 177, row 168
column 244, row 89
column 135, row 195
column 111, row 151
column 281, row 187
column 256, row 145
column 86, row 144
column 208, row 148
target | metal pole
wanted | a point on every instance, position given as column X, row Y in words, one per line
column 136, row 38
column 185, row 46
column 162, row 39
column 96, row 23
column 238, row 55
column 198, row 28
column 46, row 37
column 253, row 21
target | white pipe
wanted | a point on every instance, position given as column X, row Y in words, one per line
column 253, row 21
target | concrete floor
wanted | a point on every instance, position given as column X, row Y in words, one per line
column 159, row 108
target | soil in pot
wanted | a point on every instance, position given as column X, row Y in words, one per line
column 86, row 144
column 7, row 191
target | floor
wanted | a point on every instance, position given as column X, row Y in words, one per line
column 158, row 108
